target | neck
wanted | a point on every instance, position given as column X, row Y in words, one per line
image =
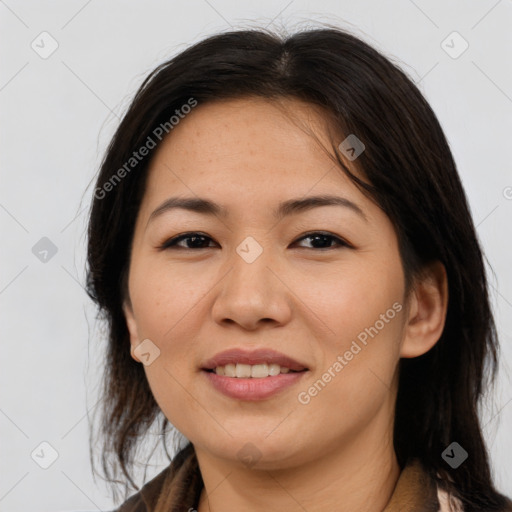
column 359, row 474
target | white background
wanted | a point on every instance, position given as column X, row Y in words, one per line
column 57, row 117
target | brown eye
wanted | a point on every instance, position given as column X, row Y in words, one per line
column 192, row 241
column 322, row 240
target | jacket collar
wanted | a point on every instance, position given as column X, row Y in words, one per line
column 415, row 491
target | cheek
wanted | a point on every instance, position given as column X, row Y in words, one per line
column 351, row 301
column 164, row 302
column 162, row 297
column 363, row 312
column 358, row 363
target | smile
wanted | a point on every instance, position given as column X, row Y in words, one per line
column 253, row 388
column 255, row 371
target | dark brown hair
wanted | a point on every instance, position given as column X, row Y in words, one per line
column 409, row 172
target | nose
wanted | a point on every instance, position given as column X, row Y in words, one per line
column 253, row 294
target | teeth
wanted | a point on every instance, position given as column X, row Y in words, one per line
column 256, row 371
column 243, row 371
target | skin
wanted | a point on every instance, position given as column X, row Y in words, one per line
column 336, row 452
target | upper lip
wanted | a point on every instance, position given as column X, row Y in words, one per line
column 258, row 356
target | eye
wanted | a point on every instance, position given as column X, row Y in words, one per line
column 196, row 240
column 322, row 240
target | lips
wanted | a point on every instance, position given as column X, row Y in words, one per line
column 252, row 357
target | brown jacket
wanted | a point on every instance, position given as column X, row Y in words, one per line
column 414, row 492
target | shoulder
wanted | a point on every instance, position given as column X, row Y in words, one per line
column 145, row 499
column 179, row 483
column 418, row 490
column 448, row 503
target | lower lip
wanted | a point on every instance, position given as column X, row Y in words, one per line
column 253, row 388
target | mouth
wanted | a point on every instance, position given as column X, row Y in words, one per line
column 254, row 364
column 248, row 371
column 252, row 383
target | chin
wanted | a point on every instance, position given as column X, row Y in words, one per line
column 255, row 452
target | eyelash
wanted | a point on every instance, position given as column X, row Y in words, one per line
column 172, row 242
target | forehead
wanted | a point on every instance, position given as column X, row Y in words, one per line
column 244, row 145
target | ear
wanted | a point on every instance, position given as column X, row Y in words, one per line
column 132, row 329
column 428, row 304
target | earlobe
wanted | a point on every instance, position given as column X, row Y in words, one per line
column 427, row 311
column 132, row 329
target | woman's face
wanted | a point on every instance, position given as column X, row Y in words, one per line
column 252, row 279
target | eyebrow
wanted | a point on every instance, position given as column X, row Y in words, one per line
column 284, row 209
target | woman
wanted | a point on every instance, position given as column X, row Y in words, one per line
column 283, row 251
